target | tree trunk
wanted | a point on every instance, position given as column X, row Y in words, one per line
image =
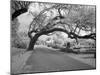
column 32, row 42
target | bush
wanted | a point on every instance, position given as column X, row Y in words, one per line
column 18, row 38
column 18, row 43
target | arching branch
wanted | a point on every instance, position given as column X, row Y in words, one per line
column 45, row 32
column 55, row 6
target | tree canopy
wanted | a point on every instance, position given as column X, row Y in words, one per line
column 77, row 21
column 71, row 18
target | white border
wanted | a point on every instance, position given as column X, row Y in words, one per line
column 5, row 37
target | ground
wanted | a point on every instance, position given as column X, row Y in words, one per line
column 45, row 59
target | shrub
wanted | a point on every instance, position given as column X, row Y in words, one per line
column 18, row 43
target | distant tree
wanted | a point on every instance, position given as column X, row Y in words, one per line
column 68, row 45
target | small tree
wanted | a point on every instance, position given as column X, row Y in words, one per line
column 68, row 45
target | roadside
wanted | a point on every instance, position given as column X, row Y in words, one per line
column 85, row 58
column 18, row 60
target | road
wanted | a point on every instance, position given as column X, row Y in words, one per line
column 47, row 60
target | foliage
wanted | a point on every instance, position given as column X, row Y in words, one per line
column 18, row 7
column 16, row 41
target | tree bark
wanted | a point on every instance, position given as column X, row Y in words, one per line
column 33, row 41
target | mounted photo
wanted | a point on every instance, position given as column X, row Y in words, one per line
column 52, row 37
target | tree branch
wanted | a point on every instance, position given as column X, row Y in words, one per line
column 70, row 34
